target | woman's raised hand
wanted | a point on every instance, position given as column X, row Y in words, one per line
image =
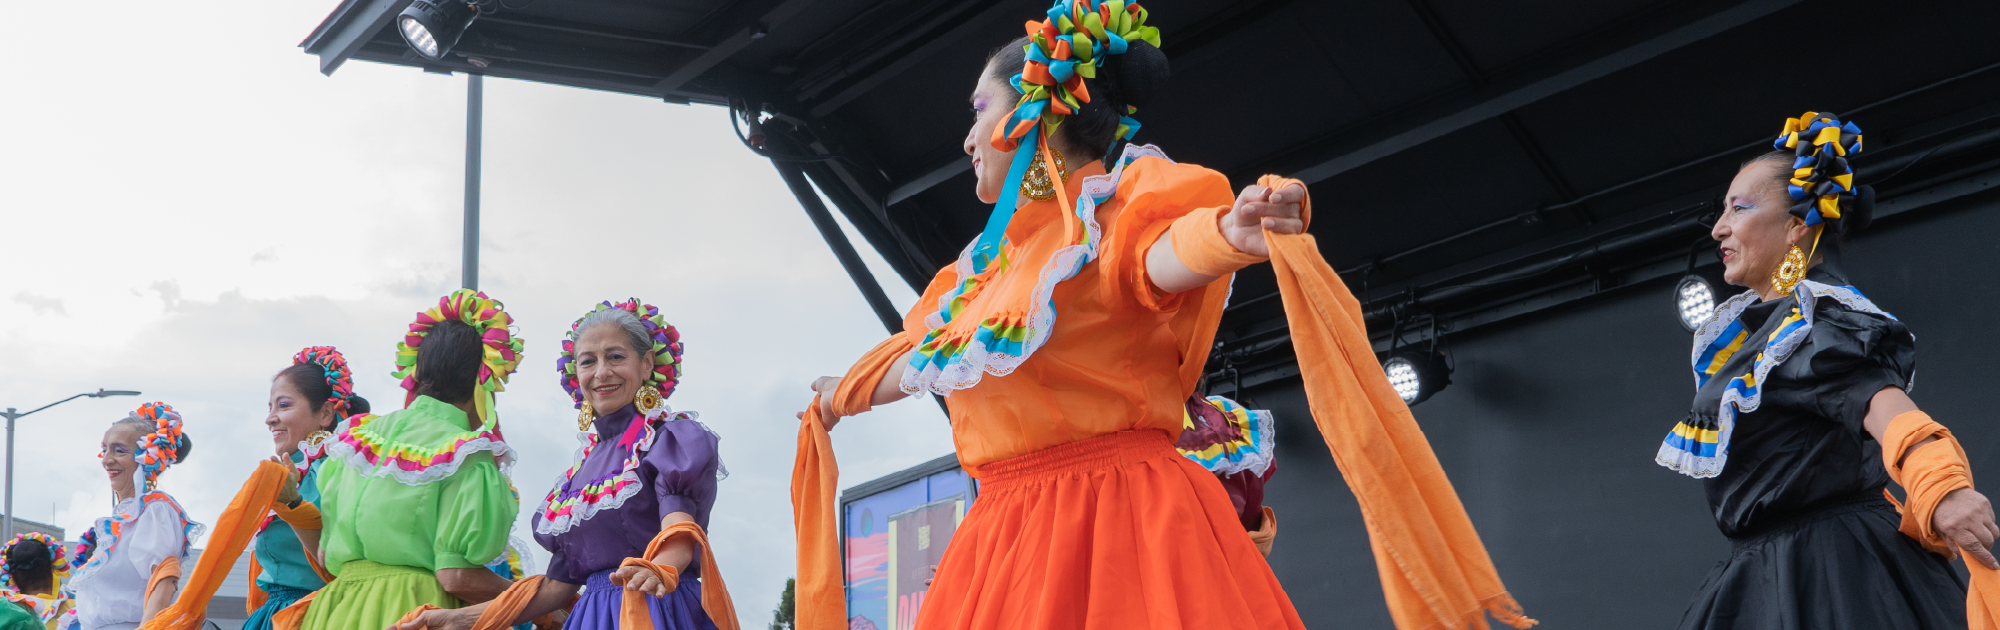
column 1259, row 209
column 643, row 580
column 825, row 386
column 1964, row 518
column 289, row 492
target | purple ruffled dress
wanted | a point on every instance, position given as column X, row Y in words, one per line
column 675, row 471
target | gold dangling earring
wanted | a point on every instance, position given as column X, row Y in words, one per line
column 648, row 400
column 319, row 437
column 584, row 416
column 1791, row 272
column 1037, row 184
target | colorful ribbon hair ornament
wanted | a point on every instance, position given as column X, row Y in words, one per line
column 483, row 314
column 333, row 366
column 1062, row 51
column 161, row 448
column 58, row 565
column 1822, row 183
column 667, row 349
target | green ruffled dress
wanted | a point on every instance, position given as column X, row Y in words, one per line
column 403, row 496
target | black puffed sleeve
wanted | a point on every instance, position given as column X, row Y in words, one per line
column 1852, row 355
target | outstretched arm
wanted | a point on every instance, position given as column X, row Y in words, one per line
column 1257, row 209
column 889, row 389
column 550, row 596
column 1964, row 517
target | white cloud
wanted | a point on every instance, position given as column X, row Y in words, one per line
column 184, row 228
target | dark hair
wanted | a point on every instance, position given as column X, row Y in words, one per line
column 310, row 380
column 28, row 563
column 181, row 450
column 1132, row 78
column 1854, row 217
column 448, row 362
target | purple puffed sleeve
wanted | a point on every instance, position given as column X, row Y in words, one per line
column 683, row 465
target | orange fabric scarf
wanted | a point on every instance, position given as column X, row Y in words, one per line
column 232, row 533
column 1435, row 571
column 499, row 613
column 1926, row 475
column 636, row 615
column 820, row 601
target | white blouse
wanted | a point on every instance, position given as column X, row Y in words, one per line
column 111, row 590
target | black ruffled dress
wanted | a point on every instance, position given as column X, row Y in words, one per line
column 1814, row 543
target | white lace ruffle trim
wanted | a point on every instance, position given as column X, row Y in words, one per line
column 975, row 360
column 628, row 478
column 503, row 456
column 1734, row 402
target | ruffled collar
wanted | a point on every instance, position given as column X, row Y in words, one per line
column 110, row 530
column 1699, row 445
column 575, row 499
column 362, row 445
column 998, row 315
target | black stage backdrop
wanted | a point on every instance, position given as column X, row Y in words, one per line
column 1549, row 429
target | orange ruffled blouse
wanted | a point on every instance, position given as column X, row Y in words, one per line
column 1123, row 356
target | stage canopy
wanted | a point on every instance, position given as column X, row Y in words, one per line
column 1470, row 161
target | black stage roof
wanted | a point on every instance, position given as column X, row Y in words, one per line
column 1471, row 160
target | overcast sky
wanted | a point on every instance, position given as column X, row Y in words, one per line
column 185, row 202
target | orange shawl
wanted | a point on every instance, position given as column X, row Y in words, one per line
column 231, row 534
column 820, row 599
column 1927, row 475
column 715, row 601
column 1435, row 571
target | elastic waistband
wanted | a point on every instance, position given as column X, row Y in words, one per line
column 371, row 570
column 1098, row 453
column 280, row 592
column 1864, row 501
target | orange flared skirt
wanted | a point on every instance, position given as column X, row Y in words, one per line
column 1111, row 533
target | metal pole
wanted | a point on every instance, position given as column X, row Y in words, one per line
column 474, row 103
column 10, row 472
column 837, row 241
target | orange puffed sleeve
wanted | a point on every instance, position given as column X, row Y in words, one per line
column 1152, row 193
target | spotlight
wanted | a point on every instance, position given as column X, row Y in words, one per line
column 1696, row 295
column 1694, row 300
column 1417, row 374
column 432, row 27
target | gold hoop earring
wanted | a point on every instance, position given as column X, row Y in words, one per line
column 1790, row 272
column 648, row 400
column 1037, row 184
column 584, row 416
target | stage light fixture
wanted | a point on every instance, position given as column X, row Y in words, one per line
column 1694, row 300
column 1417, row 374
column 432, row 27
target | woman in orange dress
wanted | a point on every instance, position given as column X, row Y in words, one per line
column 1067, row 338
column 1079, row 441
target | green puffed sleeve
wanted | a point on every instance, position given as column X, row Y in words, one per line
column 476, row 510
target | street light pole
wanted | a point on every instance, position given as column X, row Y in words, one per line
column 13, row 415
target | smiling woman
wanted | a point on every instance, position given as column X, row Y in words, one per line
column 628, row 515
column 309, row 400
column 1802, row 417
column 133, row 564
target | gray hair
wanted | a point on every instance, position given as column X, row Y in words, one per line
column 635, row 331
column 142, row 425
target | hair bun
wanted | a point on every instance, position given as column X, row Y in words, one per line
column 1142, row 72
column 182, row 449
column 357, row 406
